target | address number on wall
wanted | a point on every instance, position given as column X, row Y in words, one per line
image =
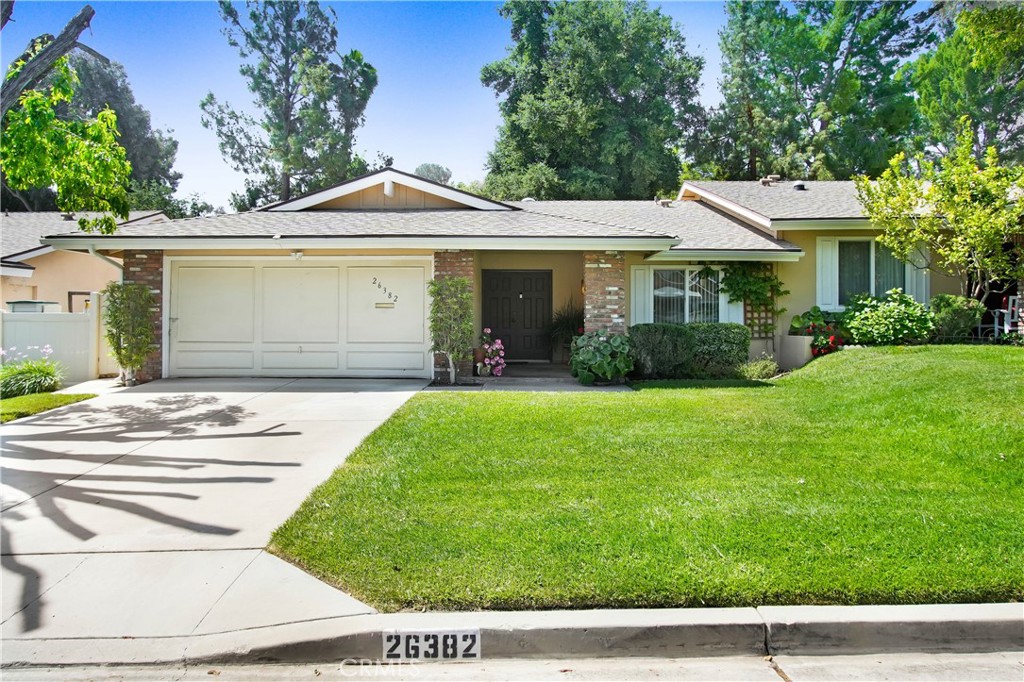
column 429, row 645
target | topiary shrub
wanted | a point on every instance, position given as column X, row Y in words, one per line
column 717, row 349
column 600, row 356
column 894, row 319
column 955, row 317
column 659, row 351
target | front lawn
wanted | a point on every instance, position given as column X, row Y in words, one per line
column 27, row 405
column 889, row 475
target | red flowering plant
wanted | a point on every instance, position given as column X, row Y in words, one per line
column 494, row 355
column 826, row 338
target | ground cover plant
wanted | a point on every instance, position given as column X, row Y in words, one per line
column 873, row 475
column 27, row 405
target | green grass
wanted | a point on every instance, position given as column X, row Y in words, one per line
column 889, row 475
column 27, row 405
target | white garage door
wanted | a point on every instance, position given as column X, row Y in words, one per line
column 313, row 317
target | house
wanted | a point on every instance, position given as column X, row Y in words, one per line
column 37, row 272
column 335, row 283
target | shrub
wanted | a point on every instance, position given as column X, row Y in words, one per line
column 809, row 322
column 451, row 320
column 956, row 317
column 659, row 351
column 759, row 369
column 894, row 319
column 600, row 355
column 126, row 312
column 717, row 349
column 21, row 375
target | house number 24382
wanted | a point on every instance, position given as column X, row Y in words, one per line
column 392, row 296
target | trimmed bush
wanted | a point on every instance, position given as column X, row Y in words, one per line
column 659, row 351
column 760, row 368
column 956, row 317
column 700, row 350
column 718, row 349
column 895, row 319
column 600, row 356
column 29, row 376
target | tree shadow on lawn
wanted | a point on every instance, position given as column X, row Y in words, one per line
column 55, row 488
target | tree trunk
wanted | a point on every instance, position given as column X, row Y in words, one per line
column 37, row 68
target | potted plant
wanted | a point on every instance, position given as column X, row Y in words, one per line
column 492, row 355
column 566, row 324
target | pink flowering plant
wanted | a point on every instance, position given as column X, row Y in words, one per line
column 494, row 355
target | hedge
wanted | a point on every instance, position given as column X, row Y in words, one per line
column 701, row 350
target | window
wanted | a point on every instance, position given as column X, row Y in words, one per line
column 686, row 295
column 849, row 266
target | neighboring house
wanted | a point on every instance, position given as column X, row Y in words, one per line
column 334, row 283
column 37, row 272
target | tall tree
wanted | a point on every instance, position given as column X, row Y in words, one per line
column 435, row 172
column 963, row 77
column 830, row 100
column 311, row 98
column 966, row 215
column 597, row 98
column 80, row 159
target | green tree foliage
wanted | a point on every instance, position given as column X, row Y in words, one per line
column 963, row 76
column 435, row 172
column 310, row 97
column 451, row 320
column 156, row 196
column 126, row 314
column 962, row 213
column 80, row 159
column 812, row 89
column 597, row 97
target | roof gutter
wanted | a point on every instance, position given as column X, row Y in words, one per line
column 105, row 259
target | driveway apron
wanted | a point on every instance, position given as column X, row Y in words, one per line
column 144, row 513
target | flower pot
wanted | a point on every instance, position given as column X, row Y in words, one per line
column 796, row 351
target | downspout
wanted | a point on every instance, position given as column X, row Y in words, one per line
column 106, row 259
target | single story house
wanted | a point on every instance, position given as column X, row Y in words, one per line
column 31, row 271
column 335, row 283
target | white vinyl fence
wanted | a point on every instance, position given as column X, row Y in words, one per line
column 77, row 340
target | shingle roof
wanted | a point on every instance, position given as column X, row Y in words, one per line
column 21, row 231
column 821, row 200
column 696, row 226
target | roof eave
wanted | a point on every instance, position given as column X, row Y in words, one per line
column 760, row 255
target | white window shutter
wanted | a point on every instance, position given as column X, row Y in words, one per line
column 918, row 280
column 827, row 296
column 641, row 304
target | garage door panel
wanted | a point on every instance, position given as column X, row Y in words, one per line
column 216, row 304
column 385, row 305
column 300, row 305
column 384, row 360
column 299, row 360
column 214, row 359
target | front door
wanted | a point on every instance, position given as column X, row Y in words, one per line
column 517, row 308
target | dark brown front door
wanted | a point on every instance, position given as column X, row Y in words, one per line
column 517, row 308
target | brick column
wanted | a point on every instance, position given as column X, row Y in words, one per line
column 454, row 263
column 604, row 303
column 147, row 267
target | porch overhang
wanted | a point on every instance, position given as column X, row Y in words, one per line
column 775, row 256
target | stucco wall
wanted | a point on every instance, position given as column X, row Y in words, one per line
column 57, row 273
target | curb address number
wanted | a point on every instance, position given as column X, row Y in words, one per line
column 426, row 645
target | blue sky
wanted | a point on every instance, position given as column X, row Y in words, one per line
column 429, row 105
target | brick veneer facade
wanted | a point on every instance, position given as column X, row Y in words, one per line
column 454, row 263
column 147, row 267
column 604, row 303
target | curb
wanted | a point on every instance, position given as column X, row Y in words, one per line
column 652, row 633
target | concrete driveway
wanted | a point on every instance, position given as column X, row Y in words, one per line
column 144, row 513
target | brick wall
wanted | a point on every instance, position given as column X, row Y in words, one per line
column 604, row 303
column 147, row 267
column 454, row 264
